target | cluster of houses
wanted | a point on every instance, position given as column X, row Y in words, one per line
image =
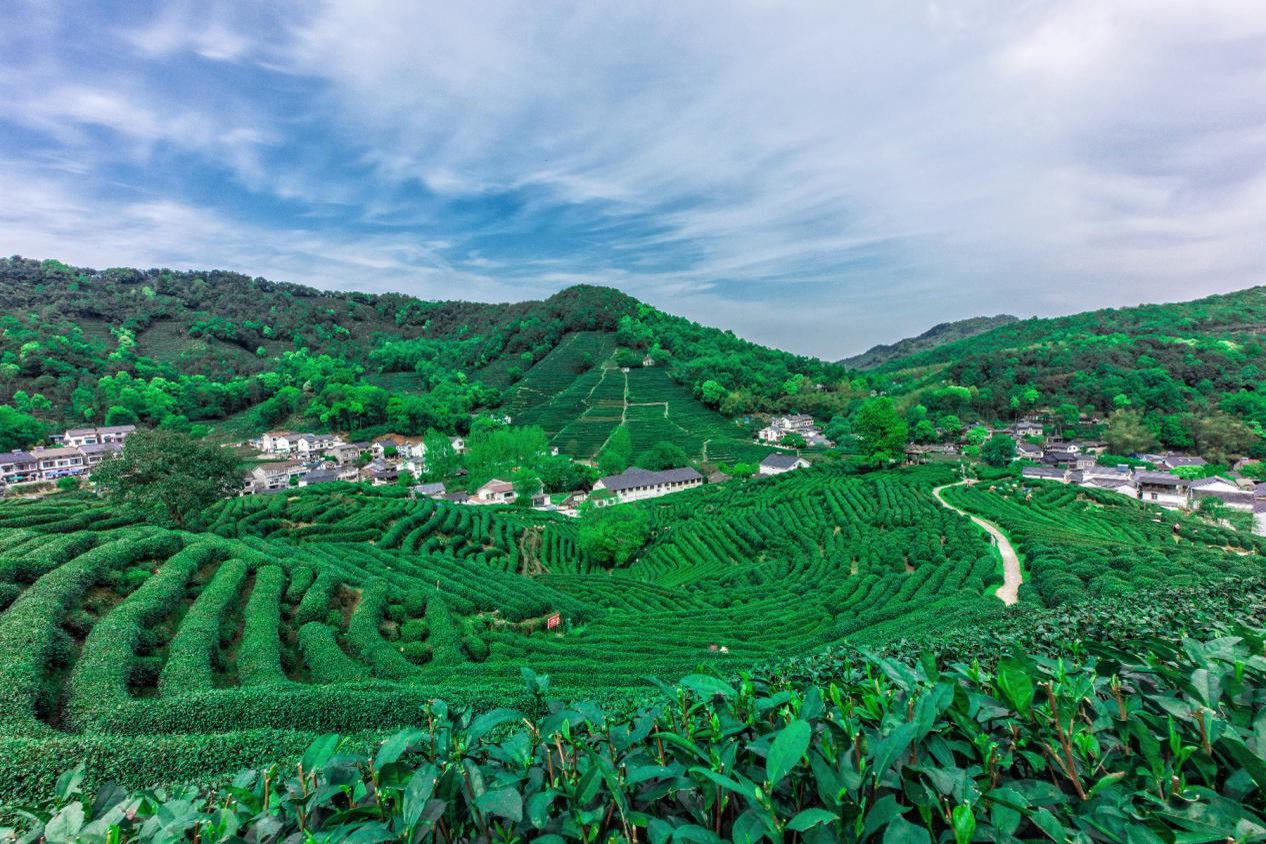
column 799, row 423
column 322, row 458
column 72, row 453
column 1159, row 485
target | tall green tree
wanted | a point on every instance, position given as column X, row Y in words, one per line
column 168, row 477
column 1128, row 433
column 611, row 535
column 663, row 455
column 882, row 429
column 617, row 454
column 18, row 430
column 998, row 451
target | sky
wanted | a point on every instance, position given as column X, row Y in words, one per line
column 818, row 176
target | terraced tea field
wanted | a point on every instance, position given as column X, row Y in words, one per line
column 581, row 417
column 348, row 611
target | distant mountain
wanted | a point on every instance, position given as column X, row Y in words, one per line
column 937, row 335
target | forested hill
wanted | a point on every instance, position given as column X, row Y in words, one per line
column 1160, row 368
column 937, row 335
column 164, row 347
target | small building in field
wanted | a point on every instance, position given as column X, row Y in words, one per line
column 346, row 452
column 637, row 484
column 54, row 463
column 1162, row 488
column 1122, row 485
column 1259, row 517
column 320, row 476
column 1226, row 491
column 776, row 464
column 1044, row 473
column 435, row 490
column 269, row 476
column 1026, row 428
column 496, row 491
column 94, row 454
column 97, row 436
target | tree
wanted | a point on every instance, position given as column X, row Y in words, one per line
column 18, row 430
column 617, row 453
column 68, row 483
column 120, row 416
column 611, row 535
column 526, row 484
column 881, row 428
column 663, row 455
column 1127, row 433
column 442, row 459
column 998, row 451
column 168, row 477
column 791, row 439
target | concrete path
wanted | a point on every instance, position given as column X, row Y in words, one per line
column 1009, row 591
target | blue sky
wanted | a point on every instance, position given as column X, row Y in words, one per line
column 817, row 176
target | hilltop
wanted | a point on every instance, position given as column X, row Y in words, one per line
column 937, row 335
column 243, row 354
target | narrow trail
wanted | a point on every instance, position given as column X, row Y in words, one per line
column 1009, row 591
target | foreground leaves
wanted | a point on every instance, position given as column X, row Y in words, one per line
column 1152, row 740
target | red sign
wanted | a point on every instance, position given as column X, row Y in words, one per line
column 553, row 621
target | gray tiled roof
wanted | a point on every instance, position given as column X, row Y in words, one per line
column 635, row 477
column 781, row 461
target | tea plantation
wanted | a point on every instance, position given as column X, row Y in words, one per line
column 155, row 655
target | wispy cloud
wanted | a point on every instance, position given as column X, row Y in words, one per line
column 820, row 176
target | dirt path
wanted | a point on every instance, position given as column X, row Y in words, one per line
column 1009, row 591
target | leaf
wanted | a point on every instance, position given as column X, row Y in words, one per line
column 901, row 831
column 708, row 686
column 786, row 751
column 68, row 784
column 65, row 825
column 964, row 820
column 489, row 721
column 392, row 749
column 726, row 782
column 810, row 818
column 1015, row 683
column 419, row 790
column 503, row 802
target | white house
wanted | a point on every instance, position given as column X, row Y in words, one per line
column 1259, row 517
column 1162, row 488
column 496, row 491
column 275, row 475
column 277, row 442
column 97, row 436
column 54, row 463
column 18, row 466
column 635, row 484
column 1226, row 491
column 776, row 464
column 309, row 446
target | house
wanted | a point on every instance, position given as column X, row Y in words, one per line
column 574, row 500
column 1259, row 517
column 1173, row 461
column 54, row 463
column 115, row 433
column 1228, row 492
column 648, row 361
column 17, row 467
column 496, row 491
column 266, row 476
column 277, row 442
column 80, row 436
column 1028, row 451
column 1044, row 473
column 1095, row 447
column 1027, row 428
column 781, row 426
column 435, row 490
column 405, row 447
column 97, row 436
column 94, row 454
column 456, row 497
column 776, row 464
column 1163, row 488
column 1071, row 459
column 1122, row 485
column 310, row 445
column 635, row 484
column 718, row 477
column 459, row 445
column 346, row 452
column 320, row 476
column 380, row 474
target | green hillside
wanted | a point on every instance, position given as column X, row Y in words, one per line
column 1187, row 375
column 937, row 335
column 176, row 349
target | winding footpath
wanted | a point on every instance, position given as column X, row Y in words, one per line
column 1009, row 591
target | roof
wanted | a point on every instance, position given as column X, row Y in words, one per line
column 1042, row 472
column 1201, row 483
column 117, row 429
column 68, row 451
column 497, row 485
column 94, row 448
column 1184, row 460
column 319, row 476
column 718, row 477
column 1108, row 483
column 781, row 461
column 1160, row 479
column 78, row 432
column 17, row 457
column 430, row 489
column 1228, row 496
column 635, row 477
